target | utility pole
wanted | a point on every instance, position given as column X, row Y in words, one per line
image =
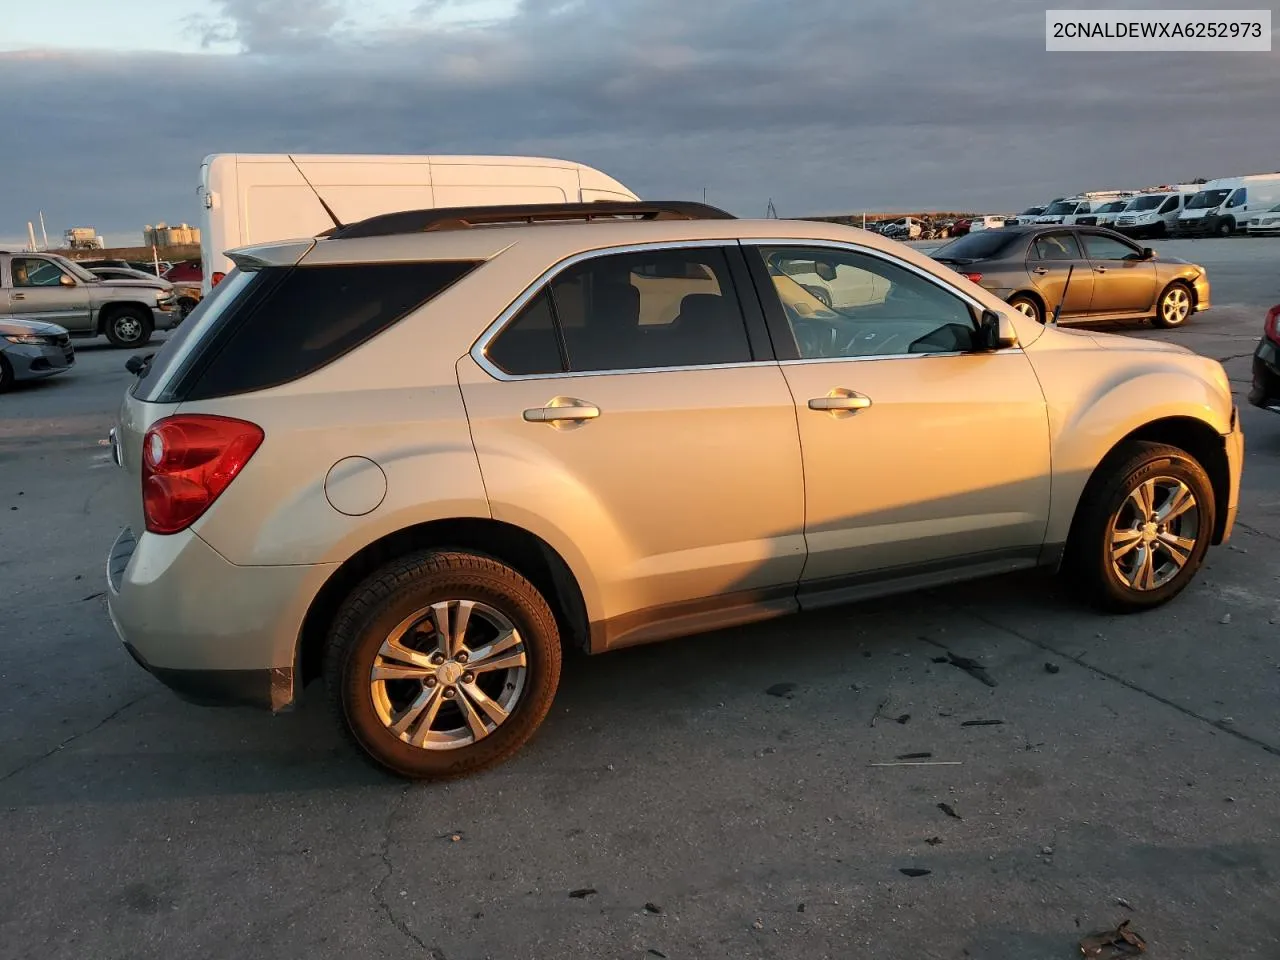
column 704, row 194
column 31, row 234
column 43, row 232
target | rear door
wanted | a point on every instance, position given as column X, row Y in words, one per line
column 1123, row 282
column 631, row 408
column 39, row 288
column 1051, row 259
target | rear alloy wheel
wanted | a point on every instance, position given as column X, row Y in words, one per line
column 1027, row 307
column 1142, row 532
column 442, row 664
column 128, row 327
column 1174, row 306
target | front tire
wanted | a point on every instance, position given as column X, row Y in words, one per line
column 1142, row 528
column 6, row 375
column 128, row 327
column 1174, row 306
column 1225, row 228
column 442, row 663
column 1028, row 307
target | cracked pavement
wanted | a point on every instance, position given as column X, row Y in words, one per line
column 1145, row 769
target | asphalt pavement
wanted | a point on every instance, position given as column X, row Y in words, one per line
column 1114, row 767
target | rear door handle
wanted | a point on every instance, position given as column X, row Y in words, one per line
column 840, row 400
column 1100, row 269
column 17, row 296
column 564, row 409
column 1040, row 271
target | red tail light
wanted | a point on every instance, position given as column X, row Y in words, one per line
column 972, row 277
column 1272, row 326
column 217, row 279
column 187, row 461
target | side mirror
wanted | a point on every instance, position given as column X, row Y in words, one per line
column 138, row 363
column 1148, row 253
column 66, row 281
column 995, row 332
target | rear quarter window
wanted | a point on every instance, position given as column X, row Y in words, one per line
column 292, row 321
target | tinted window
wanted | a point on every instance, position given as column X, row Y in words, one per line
column 976, row 246
column 1238, row 197
column 34, row 272
column 1169, row 205
column 670, row 308
column 1055, row 246
column 291, row 321
column 530, row 344
column 863, row 306
column 1107, row 248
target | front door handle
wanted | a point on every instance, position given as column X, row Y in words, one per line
column 840, row 400
column 562, row 409
column 1040, row 271
column 1100, row 269
column 17, row 296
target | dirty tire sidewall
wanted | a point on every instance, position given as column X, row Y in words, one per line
column 1088, row 561
column 121, row 318
column 396, row 591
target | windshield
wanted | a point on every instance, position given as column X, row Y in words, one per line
column 77, row 271
column 976, row 246
column 1115, row 206
column 1207, row 198
column 1031, row 211
column 1275, row 209
column 1062, row 208
column 1146, row 203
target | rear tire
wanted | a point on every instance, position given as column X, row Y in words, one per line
column 1028, row 307
column 6, row 375
column 1122, row 555
column 404, row 600
column 128, row 327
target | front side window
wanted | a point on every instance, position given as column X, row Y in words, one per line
column 843, row 304
column 629, row 311
column 1238, row 198
column 1170, row 205
column 1108, row 248
column 35, row 272
column 1055, row 246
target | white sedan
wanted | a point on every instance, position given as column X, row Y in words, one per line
column 1266, row 223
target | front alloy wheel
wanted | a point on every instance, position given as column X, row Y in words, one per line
column 1154, row 533
column 1174, row 306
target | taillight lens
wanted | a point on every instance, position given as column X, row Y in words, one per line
column 187, row 461
column 217, row 279
column 1272, row 326
column 972, row 277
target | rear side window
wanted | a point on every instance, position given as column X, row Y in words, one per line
column 1055, row 246
column 291, row 321
column 531, row 344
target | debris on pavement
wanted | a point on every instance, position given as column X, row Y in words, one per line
column 1052, row 668
column 656, row 953
column 933, row 841
column 800, row 908
column 917, row 763
column 1120, row 942
column 783, row 690
column 1047, row 851
column 902, row 718
column 652, row 908
column 1124, row 903
column 758, row 924
column 914, row 871
column 1226, row 618
column 453, row 836
column 971, row 667
column 950, row 811
column 583, row 892
column 982, row 723
column 915, row 756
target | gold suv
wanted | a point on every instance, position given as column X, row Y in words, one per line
column 418, row 457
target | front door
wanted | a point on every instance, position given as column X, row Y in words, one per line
column 627, row 416
column 1123, row 282
column 919, row 453
column 1058, row 269
column 40, row 289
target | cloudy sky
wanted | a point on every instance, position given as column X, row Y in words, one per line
column 823, row 105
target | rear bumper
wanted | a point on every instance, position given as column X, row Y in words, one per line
column 1265, row 389
column 30, row 361
column 168, row 601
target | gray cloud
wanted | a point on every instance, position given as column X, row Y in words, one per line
column 824, row 106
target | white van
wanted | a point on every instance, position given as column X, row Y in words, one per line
column 259, row 198
column 1224, row 206
column 1153, row 214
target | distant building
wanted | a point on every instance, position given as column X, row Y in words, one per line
column 81, row 238
column 163, row 235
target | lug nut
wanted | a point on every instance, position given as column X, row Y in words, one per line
column 437, row 658
column 449, row 693
column 462, row 657
column 468, row 678
column 431, row 681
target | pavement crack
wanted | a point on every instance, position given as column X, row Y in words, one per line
column 380, row 890
column 1256, row 531
column 1130, row 685
column 35, row 761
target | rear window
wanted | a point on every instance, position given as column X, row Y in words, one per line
column 976, row 246
column 284, row 323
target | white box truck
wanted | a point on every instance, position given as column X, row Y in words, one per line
column 260, row 198
column 1224, row 206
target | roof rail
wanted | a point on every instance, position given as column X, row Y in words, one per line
column 463, row 218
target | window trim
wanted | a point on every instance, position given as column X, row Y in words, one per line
column 778, row 324
column 755, row 320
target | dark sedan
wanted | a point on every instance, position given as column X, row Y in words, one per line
column 1112, row 278
column 32, row 350
column 1265, row 392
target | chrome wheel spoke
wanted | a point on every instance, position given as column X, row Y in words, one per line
column 418, row 716
column 1142, row 576
column 400, row 671
column 1179, row 501
column 474, row 721
column 1178, row 548
column 501, row 644
column 400, row 655
column 1124, row 542
column 492, row 709
column 1143, row 497
column 507, row 662
column 452, row 629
